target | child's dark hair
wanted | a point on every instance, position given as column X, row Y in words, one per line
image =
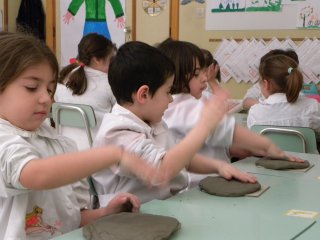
column 208, row 59
column 282, row 71
column 91, row 45
column 18, row 52
column 184, row 55
column 289, row 53
column 137, row 64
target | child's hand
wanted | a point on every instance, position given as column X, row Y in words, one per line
column 228, row 171
column 274, row 152
column 146, row 172
column 213, row 111
column 123, row 202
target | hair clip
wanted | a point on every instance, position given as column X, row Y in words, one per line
column 290, row 70
column 75, row 61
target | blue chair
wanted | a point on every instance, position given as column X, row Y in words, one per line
column 77, row 116
column 293, row 139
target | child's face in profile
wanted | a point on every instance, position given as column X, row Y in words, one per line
column 26, row 101
column 159, row 102
column 198, row 82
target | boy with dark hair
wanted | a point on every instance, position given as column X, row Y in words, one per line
column 141, row 79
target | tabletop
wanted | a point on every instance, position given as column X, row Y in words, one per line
column 205, row 216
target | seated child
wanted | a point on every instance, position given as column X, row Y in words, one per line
column 141, row 79
column 85, row 81
column 253, row 94
column 281, row 83
column 41, row 191
column 183, row 113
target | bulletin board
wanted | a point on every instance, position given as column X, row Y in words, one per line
column 286, row 19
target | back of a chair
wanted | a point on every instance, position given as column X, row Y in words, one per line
column 294, row 139
column 77, row 116
column 74, row 115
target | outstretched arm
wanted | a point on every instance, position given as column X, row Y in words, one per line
column 247, row 103
column 181, row 154
column 60, row 170
column 259, row 145
column 204, row 165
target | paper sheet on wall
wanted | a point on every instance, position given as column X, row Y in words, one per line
column 240, row 61
column 72, row 33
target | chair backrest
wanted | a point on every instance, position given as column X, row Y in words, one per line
column 78, row 116
column 74, row 115
column 294, row 139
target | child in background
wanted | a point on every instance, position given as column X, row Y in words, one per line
column 281, row 83
column 41, row 195
column 212, row 69
column 214, row 78
column 86, row 82
column 253, row 94
column 183, row 113
column 136, row 123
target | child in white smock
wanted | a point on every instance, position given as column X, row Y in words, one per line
column 41, row 191
column 281, row 83
column 183, row 113
column 85, row 81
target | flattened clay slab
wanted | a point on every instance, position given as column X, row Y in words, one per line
column 128, row 226
column 281, row 164
column 227, row 188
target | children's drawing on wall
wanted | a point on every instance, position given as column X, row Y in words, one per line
column 308, row 14
column 246, row 6
column 228, row 6
column 80, row 17
column 292, row 1
column 263, row 5
column 185, row 2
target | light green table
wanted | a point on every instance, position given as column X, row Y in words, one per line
column 204, row 216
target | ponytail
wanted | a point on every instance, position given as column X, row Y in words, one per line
column 73, row 78
column 294, row 85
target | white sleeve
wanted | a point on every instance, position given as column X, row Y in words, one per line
column 185, row 115
column 253, row 92
column 134, row 142
column 15, row 153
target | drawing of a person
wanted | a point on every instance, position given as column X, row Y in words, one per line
column 96, row 19
column 35, row 224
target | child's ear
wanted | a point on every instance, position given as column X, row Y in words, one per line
column 142, row 94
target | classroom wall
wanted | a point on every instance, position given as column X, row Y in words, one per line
column 192, row 28
column 152, row 29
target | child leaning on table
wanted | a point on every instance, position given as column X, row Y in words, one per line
column 141, row 79
column 183, row 113
column 41, row 191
